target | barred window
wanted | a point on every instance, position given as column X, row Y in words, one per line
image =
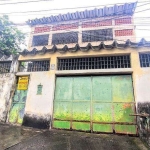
column 65, row 38
column 144, row 59
column 5, row 67
column 40, row 40
column 34, row 66
column 106, row 62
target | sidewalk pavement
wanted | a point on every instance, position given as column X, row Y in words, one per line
column 23, row 138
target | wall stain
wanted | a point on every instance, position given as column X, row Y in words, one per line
column 144, row 122
column 36, row 121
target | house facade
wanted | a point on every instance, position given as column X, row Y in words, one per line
column 85, row 71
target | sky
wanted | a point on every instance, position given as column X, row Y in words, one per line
column 142, row 23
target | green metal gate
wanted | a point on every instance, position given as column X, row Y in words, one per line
column 18, row 106
column 95, row 103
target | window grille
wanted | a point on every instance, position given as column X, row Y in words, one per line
column 34, row 66
column 40, row 40
column 97, row 35
column 106, row 62
column 145, row 60
column 5, row 67
column 65, row 38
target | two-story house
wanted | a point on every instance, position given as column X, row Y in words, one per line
column 84, row 71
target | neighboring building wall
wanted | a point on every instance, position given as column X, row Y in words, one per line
column 7, row 88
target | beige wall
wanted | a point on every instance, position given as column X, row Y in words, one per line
column 42, row 105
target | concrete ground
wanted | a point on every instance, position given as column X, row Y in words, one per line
column 22, row 138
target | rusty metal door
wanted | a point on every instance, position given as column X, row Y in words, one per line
column 96, row 103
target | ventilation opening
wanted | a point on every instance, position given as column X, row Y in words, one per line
column 107, row 62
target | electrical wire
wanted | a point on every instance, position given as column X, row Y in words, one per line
column 118, row 12
column 104, row 20
column 65, row 8
column 142, row 10
column 25, row 2
column 143, row 29
column 45, row 1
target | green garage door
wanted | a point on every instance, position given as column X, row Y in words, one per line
column 95, row 103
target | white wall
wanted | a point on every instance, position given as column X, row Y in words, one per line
column 143, row 85
column 40, row 106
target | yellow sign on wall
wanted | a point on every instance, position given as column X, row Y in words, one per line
column 23, row 83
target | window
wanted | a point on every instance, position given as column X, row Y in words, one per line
column 40, row 40
column 5, row 67
column 97, row 35
column 145, row 59
column 65, row 38
column 34, row 66
column 106, row 62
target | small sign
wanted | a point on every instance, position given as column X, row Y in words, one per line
column 23, row 83
column 52, row 66
column 39, row 89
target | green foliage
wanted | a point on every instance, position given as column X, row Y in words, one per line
column 10, row 37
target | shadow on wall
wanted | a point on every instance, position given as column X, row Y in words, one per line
column 144, row 121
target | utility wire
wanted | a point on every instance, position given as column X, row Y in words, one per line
column 118, row 12
column 25, row 2
column 142, row 10
column 11, row 13
column 143, row 21
column 143, row 29
column 106, row 19
column 64, row 8
column 102, row 20
column 45, row 1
